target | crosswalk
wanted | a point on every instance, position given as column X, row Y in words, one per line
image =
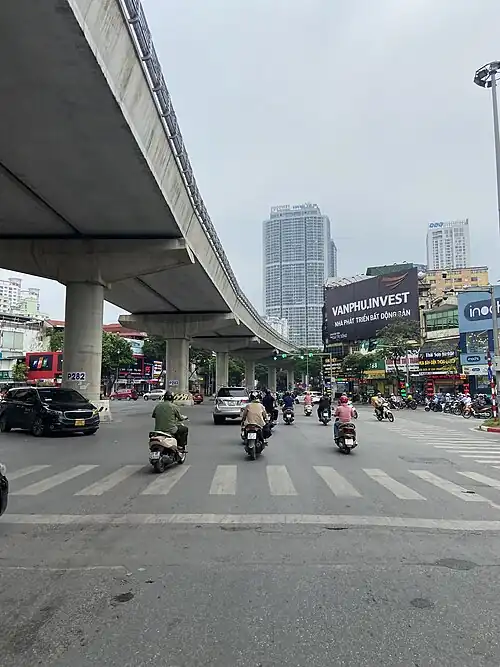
column 414, row 485
column 475, row 447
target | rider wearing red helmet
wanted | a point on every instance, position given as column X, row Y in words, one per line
column 343, row 413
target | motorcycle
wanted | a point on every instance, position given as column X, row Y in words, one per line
column 325, row 417
column 163, row 451
column 411, row 405
column 484, row 412
column 254, row 441
column 385, row 414
column 308, row 410
column 288, row 416
column 346, row 438
column 4, row 488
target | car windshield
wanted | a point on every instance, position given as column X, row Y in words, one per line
column 61, row 396
column 232, row 392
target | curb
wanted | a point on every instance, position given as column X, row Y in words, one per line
column 490, row 429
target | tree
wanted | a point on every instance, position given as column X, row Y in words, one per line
column 305, row 361
column 396, row 338
column 154, row 348
column 236, row 371
column 56, row 340
column 116, row 353
column 19, row 372
column 356, row 364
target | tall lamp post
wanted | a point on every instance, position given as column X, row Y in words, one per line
column 487, row 77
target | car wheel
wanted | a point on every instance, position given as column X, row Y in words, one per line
column 4, row 426
column 38, row 428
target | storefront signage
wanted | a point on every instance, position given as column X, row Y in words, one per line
column 474, row 310
column 438, row 363
column 476, row 370
column 474, row 359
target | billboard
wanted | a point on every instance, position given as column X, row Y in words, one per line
column 358, row 310
column 474, row 310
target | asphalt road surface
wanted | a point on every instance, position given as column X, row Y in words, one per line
column 304, row 558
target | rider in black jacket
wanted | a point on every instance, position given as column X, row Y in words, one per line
column 325, row 403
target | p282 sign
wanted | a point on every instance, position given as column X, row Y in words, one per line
column 81, row 376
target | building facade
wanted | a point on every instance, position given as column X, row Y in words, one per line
column 455, row 280
column 299, row 255
column 448, row 245
column 14, row 300
column 279, row 324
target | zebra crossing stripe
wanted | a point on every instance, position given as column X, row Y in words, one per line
column 50, row 482
column 399, row 490
column 280, row 482
column 224, row 481
column 22, row 472
column 109, row 481
column 483, row 479
column 339, row 486
column 164, row 483
column 450, row 487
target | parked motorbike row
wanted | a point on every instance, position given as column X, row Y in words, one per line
column 457, row 407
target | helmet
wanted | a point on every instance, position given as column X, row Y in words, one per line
column 344, row 399
column 254, row 396
column 168, row 396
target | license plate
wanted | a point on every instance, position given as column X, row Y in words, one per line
column 154, row 455
column 349, row 441
column 252, row 436
column 80, row 422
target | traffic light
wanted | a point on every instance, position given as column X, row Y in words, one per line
column 283, row 356
column 402, row 388
column 301, row 356
column 310, row 355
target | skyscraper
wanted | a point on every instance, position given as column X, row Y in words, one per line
column 299, row 255
column 448, row 245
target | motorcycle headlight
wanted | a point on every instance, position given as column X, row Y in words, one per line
column 3, row 469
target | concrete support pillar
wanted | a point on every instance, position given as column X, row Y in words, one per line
column 271, row 378
column 249, row 374
column 221, row 370
column 289, row 378
column 178, row 365
column 83, row 339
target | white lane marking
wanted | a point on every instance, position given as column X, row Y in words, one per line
column 478, row 455
column 251, row 519
column 50, row 482
column 280, row 482
column 489, row 481
column 450, row 487
column 108, row 482
column 165, row 481
column 471, row 448
column 224, row 481
column 339, row 486
column 399, row 490
column 26, row 471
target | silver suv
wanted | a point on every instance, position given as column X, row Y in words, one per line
column 229, row 403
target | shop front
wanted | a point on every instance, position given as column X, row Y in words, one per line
column 439, row 366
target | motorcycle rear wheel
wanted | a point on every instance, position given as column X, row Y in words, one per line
column 159, row 466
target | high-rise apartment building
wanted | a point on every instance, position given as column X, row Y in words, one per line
column 299, row 255
column 448, row 245
column 13, row 299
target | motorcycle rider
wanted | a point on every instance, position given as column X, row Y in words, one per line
column 325, row 403
column 288, row 401
column 269, row 403
column 379, row 403
column 168, row 419
column 307, row 400
column 343, row 413
column 254, row 413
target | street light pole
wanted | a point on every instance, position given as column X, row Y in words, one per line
column 486, row 77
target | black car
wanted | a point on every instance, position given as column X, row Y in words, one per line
column 46, row 410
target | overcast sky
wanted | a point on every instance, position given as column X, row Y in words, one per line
column 365, row 107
